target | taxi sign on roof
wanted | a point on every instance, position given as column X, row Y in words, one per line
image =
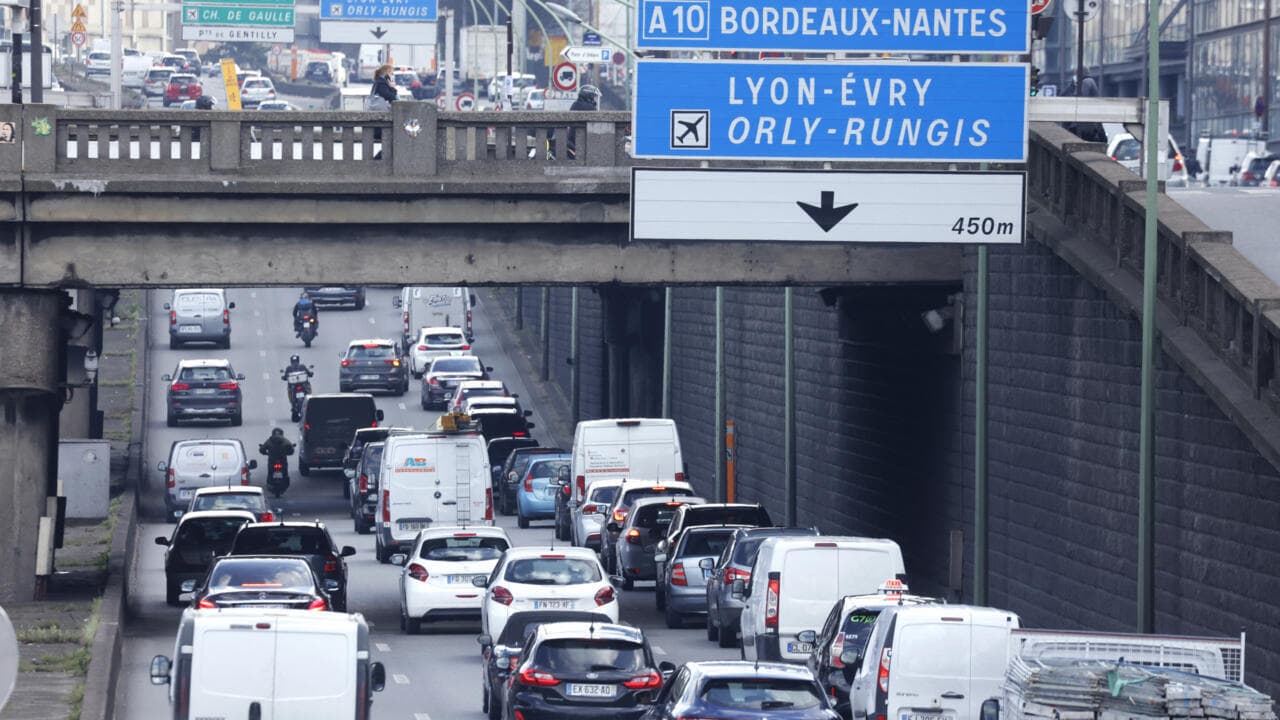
column 889, row 26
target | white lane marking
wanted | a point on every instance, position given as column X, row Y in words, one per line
column 253, row 294
column 382, row 647
column 257, row 313
column 270, row 400
column 402, row 407
column 657, row 650
column 373, row 321
column 266, row 376
column 400, row 679
column 262, row 353
column 260, row 333
column 421, row 716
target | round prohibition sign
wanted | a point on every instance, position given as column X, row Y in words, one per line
column 78, row 38
column 442, row 102
column 565, row 77
column 1039, row 6
column 466, row 102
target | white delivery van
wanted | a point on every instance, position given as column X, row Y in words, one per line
column 1221, row 156
column 428, row 480
column 795, row 582
column 933, row 660
column 625, row 448
column 270, row 664
column 434, row 307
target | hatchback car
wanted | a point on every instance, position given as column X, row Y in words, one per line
column 248, row 498
column 203, row 390
column 682, row 580
column 156, row 82
column 97, row 63
column 437, row 582
column 308, row 540
column 374, row 364
column 258, row 582
column 628, row 493
column 501, row 654
column 536, row 493
column 499, row 449
column 536, row 578
column 434, row 342
column 512, row 470
column 278, row 105
column 745, row 514
column 586, row 519
column 337, row 295
column 471, row 389
column 197, row 539
column 723, row 609
column 584, row 670
column 196, row 464
column 737, row 690
column 636, row 542
column 199, row 315
column 443, row 376
column 182, row 86
column 256, row 89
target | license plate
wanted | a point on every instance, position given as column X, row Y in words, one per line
column 186, row 494
column 189, row 329
column 277, row 475
column 553, row 604
column 300, row 395
column 799, row 647
column 923, row 716
column 368, row 377
column 461, row 579
column 592, row 690
column 204, row 391
column 413, row 526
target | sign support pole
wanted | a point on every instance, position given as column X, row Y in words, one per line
column 666, row 354
column 980, row 438
column 36, row 43
column 117, row 54
column 1150, row 265
column 719, row 421
column 789, row 404
column 573, row 355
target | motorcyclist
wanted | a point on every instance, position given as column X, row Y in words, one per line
column 295, row 365
column 588, row 101
column 304, row 306
column 277, row 447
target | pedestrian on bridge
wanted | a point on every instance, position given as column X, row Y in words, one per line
column 381, row 95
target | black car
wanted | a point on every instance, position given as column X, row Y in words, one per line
column 739, row 690
column 308, row 540
column 260, row 581
column 444, row 375
column 351, row 460
column 508, row 475
column 499, row 449
column 584, row 670
column 328, row 423
column 501, row 653
column 364, row 493
column 374, row 364
column 197, row 539
column 330, row 296
column 203, row 390
column 502, row 422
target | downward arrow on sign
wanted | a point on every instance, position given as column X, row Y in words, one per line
column 378, row 32
column 827, row 215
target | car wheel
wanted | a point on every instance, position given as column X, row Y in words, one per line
column 713, row 631
column 171, row 421
column 363, row 527
column 237, row 420
column 304, row 468
column 359, row 303
column 171, row 592
column 174, row 344
column 383, row 555
column 346, row 490
column 628, row 583
column 660, row 598
column 675, row 620
column 226, row 343
column 340, row 605
column 412, row 626
column 495, row 708
column 306, row 342
column 522, row 521
column 727, row 635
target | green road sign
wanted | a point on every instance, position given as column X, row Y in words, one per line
column 193, row 14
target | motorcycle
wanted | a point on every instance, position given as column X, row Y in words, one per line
column 299, row 384
column 278, row 478
column 307, row 329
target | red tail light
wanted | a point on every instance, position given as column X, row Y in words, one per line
column 170, row 474
column 647, row 681
column 589, row 510
column 732, row 573
column 318, row 604
column 432, row 381
column 386, row 506
column 679, row 477
column 582, row 485
column 331, row 565
column 1177, row 163
column 883, row 676
column 528, row 482
column 180, row 386
column 419, row 573
column 394, row 362
column 537, row 678
column 488, row 504
column 244, row 476
column 173, row 317
column 565, row 489
column 346, row 363
column 501, row 595
column 466, row 347
column 633, row 536
column 206, row 604
column 226, row 317
column 771, row 603
column 605, row 596
column 268, row 516
column 306, row 426
column 677, row 575
column 364, row 483
column 519, row 433
column 620, row 516
column 228, row 386
column 422, row 347
column 277, row 466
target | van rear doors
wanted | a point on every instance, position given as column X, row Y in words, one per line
column 633, row 448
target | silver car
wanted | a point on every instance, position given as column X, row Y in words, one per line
column 723, row 610
column 255, row 90
column 639, row 534
column 585, row 520
column 682, row 586
column 195, row 464
column 199, row 315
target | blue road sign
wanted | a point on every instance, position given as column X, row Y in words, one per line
column 893, row 26
column 379, row 10
column 590, row 38
column 926, row 112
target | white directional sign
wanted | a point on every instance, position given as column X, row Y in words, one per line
column 827, row 206
column 588, row 55
column 222, row 33
column 374, row 32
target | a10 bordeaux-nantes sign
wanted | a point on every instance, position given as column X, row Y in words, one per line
column 882, row 26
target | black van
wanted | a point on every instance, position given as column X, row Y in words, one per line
column 327, row 426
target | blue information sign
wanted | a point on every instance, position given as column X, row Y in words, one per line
column 590, row 38
column 379, row 10
column 892, row 26
column 925, row 112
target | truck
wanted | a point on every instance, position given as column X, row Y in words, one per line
column 269, row 663
column 482, row 53
column 419, row 58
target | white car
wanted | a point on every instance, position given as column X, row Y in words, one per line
column 438, row 575
column 98, row 63
column 256, row 90
column 536, row 99
column 538, row 578
column 468, row 389
column 587, row 518
column 434, row 342
column 479, row 402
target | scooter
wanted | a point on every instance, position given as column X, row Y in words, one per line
column 278, row 478
column 299, row 388
column 308, row 330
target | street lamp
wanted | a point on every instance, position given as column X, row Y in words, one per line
column 630, row 54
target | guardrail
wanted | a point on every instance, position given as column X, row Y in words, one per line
column 1213, row 289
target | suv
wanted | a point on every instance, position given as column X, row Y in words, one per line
column 374, row 364
column 203, row 390
column 329, row 422
column 434, row 342
column 750, row 515
column 445, row 374
column 199, row 315
column 308, row 540
column 182, row 86
column 156, row 81
column 364, row 487
column 335, row 295
column 197, row 539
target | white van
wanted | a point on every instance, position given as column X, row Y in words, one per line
column 625, row 448
column 434, row 307
column 933, row 660
column 797, row 580
column 428, row 480
column 246, row 663
column 1221, row 156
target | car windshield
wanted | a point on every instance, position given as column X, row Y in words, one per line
column 345, row 414
column 760, row 694
column 159, row 74
column 472, row 393
column 251, row 502
column 462, row 549
column 182, row 78
column 657, row 515
column 552, row 571
column 406, row 79
column 206, row 456
column 205, row 374
column 258, row 83
column 1128, row 149
column 576, row 656
column 604, row 495
column 1257, row 166
column 282, row 540
column 744, row 553
column 456, row 365
column 549, row 468
column 706, row 543
column 215, row 533
column 727, row 516
column 443, row 339
column 261, row 574
column 371, row 352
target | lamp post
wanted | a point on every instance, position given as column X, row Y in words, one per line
column 629, row 53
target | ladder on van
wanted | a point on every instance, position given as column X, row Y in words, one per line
column 462, row 477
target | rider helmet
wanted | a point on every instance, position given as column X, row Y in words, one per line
column 277, row 432
column 590, row 93
column 294, row 359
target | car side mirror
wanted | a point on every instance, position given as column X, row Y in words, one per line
column 187, row 586
column 240, row 376
column 166, row 307
column 660, row 557
column 738, row 589
column 488, row 369
column 480, row 581
column 231, row 306
column 706, row 563
column 485, row 641
column 667, row 670
column 807, row 636
column 515, row 396
column 348, row 551
column 990, row 709
column 162, row 541
column 253, row 464
column 617, row 581
column 160, row 667
column 162, row 466
column 377, row 677
column 399, row 559
column 528, row 413
column 397, row 302
column 331, row 586
column 379, row 415
column 167, row 377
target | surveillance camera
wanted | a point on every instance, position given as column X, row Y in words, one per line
column 91, row 366
column 934, row 320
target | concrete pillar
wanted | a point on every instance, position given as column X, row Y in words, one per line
column 29, row 405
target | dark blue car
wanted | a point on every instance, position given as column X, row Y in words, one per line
column 739, row 690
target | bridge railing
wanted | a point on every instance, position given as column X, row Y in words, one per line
column 1213, row 289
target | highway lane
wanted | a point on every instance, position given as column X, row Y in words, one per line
column 433, row 675
column 1249, row 213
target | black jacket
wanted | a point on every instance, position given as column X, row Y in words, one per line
column 276, row 447
column 382, row 88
